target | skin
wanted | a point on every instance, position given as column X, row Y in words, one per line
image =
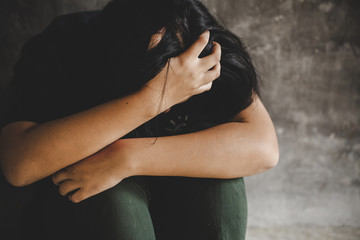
column 234, row 149
column 229, row 150
column 30, row 151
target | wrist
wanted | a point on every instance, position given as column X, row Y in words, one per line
column 135, row 152
column 125, row 159
column 155, row 103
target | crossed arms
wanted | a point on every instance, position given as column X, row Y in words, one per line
column 84, row 147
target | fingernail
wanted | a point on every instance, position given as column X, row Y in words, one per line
column 162, row 30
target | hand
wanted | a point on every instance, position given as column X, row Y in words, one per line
column 93, row 174
column 187, row 74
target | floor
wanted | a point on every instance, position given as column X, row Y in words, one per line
column 303, row 233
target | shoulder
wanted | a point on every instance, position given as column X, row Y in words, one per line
column 64, row 26
column 72, row 21
column 44, row 53
column 63, row 31
column 67, row 26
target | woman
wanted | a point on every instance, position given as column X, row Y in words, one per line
column 130, row 113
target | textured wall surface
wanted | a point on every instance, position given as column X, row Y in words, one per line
column 308, row 54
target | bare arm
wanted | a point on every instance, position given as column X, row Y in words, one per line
column 30, row 151
column 229, row 150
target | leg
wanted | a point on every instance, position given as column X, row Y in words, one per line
column 217, row 210
column 199, row 208
column 122, row 212
column 118, row 213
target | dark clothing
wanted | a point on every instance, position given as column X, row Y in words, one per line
column 146, row 208
column 67, row 69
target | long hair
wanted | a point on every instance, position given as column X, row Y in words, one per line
column 130, row 24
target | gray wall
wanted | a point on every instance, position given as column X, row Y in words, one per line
column 308, row 54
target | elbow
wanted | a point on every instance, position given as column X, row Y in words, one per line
column 272, row 159
column 15, row 178
column 270, row 155
column 264, row 158
column 15, row 181
column 15, row 164
column 12, row 178
column 15, row 174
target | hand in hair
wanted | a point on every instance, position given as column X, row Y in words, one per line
column 187, row 74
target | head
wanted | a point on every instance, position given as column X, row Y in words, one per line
column 149, row 33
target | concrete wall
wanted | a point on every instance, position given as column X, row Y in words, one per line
column 308, row 54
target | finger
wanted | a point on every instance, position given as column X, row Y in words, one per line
column 213, row 74
column 198, row 46
column 68, row 186
column 78, row 196
column 81, row 195
column 206, row 87
column 156, row 38
column 211, row 60
column 60, row 176
column 187, row 98
column 203, row 88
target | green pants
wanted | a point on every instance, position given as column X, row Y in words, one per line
column 146, row 208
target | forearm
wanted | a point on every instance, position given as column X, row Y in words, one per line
column 42, row 149
column 230, row 150
column 225, row 151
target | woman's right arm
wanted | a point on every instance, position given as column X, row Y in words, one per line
column 31, row 151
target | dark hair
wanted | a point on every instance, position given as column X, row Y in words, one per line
column 131, row 24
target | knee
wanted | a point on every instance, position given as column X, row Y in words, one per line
column 120, row 212
column 228, row 188
column 228, row 198
column 222, row 207
column 128, row 194
column 229, row 205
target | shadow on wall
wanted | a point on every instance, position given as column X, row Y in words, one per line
column 20, row 20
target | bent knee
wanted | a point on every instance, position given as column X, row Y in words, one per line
column 234, row 186
column 130, row 192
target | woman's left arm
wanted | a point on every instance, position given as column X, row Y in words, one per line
column 230, row 150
